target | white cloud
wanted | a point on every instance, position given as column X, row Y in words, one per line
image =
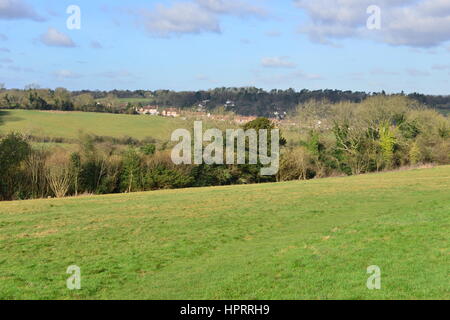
column 425, row 24
column 3, row 37
column 54, row 38
column 277, row 62
column 66, row 74
column 5, row 50
column 412, row 23
column 195, row 16
column 232, row 7
column 18, row 9
column 181, row 17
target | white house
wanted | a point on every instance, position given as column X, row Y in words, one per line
column 150, row 110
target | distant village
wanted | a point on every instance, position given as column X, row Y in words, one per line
column 200, row 113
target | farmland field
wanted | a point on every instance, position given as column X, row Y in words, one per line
column 69, row 124
column 297, row 240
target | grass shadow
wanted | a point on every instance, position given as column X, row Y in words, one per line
column 7, row 113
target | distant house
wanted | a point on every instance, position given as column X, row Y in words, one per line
column 150, row 110
column 170, row 112
column 229, row 104
column 280, row 115
column 202, row 105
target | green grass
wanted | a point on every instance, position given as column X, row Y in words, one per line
column 69, row 124
column 298, row 240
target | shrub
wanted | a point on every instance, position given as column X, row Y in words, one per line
column 57, row 171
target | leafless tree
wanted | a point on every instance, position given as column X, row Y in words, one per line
column 58, row 173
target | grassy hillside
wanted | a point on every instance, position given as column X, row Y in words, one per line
column 68, row 124
column 275, row 241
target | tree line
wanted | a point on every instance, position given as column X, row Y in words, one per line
column 243, row 101
column 380, row 133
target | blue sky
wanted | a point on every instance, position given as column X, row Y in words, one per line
column 202, row 44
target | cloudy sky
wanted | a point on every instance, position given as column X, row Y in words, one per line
column 201, row 44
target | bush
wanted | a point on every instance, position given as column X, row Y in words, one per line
column 14, row 150
column 58, row 173
column 296, row 164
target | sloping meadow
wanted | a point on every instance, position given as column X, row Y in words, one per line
column 293, row 240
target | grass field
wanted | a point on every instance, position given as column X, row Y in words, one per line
column 298, row 240
column 69, row 124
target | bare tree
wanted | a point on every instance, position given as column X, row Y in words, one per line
column 36, row 170
column 58, row 174
column 294, row 165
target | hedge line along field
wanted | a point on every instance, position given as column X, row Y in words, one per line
column 68, row 124
column 297, row 240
